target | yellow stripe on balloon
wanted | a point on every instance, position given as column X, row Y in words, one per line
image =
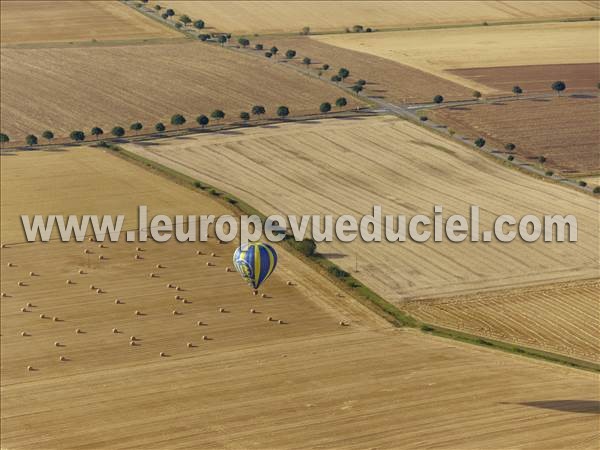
column 256, row 263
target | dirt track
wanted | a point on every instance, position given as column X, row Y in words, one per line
column 254, row 383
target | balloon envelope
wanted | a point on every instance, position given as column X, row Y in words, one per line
column 255, row 262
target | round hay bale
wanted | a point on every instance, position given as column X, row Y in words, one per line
column 209, row 264
column 42, row 316
column 198, row 252
column 117, row 301
column 132, row 338
column 98, row 291
column 92, row 287
column 57, row 344
column 68, row 282
column 77, row 331
column 137, row 257
column 86, row 252
column 254, row 292
column 280, row 322
column 24, row 333
column 100, row 257
column 183, row 300
column 205, row 338
column 159, row 266
column 28, row 305
column 29, row 368
column 178, row 297
column 137, row 313
column 152, row 274
column 269, row 318
column 178, row 288
column 342, row 323
column 100, row 246
column 3, row 294
column 62, row 358
column 132, row 343
column 138, row 249
column 169, row 286
column 252, row 310
column 23, row 309
column 221, row 310
column 263, row 295
column 3, row 246
column 288, row 282
column 227, row 269
column 213, row 254
column 20, row 283
column 31, row 274
column 161, row 354
column 91, row 239
column 115, row 331
column 10, row 264
column 80, row 272
column 189, row 345
column 175, row 312
column 199, row 323
column 55, row 319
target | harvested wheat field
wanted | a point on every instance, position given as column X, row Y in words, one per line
column 535, row 79
column 42, row 22
column 251, row 382
column 561, row 318
column 564, row 130
column 387, row 80
column 407, row 170
column 438, row 51
column 146, row 83
column 292, row 16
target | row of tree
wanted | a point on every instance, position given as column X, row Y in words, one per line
column 177, row 120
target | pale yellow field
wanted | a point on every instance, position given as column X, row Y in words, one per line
column 254, row 383
column 592, row 181
column 292, row 16
column 436, row 51
column 41, row 22
column 561, row 318
column 347, row 166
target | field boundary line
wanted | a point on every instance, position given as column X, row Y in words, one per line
column 345, row 281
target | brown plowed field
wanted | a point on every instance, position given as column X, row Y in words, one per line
column 41, row 22
column 78, row 88
column 565, row 130
column 291, row 16
column 386, row 79
column 560, row 318
column 535, row 79
column 254, row 383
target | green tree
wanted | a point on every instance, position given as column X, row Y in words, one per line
column 438, row 99
column 582, row 183
column 305, row 31
column 510, row 146
column 268, row 54
column 542, row 159
column 222, row 39
column 245, row 116
column 480, row 142
column 97, row 131
column 160, row 127
column 4, row 138
column 118, row 132
column 274, row 51
column 164, row 16
column 243, row 42
column 199, row 24
column 336, row 78
column 357, row 88
column 325, row 67
column 283, row 112
column 178, row 25
column 325, row 107
column 306, row 61
column 558, row 87
column 476, row 95
column 48, row 135
column 517, row 90
column 217, row 114
column 136, row 126
column 185, row 19
column 343, row 73
column 361, row 82
column 157, row 7
column 258, row 110
column 204, row 37
column 290, row 54
column 202, row 120
column 177, row 120
column 31, row 140
column 596, row 190
column 341, row 102
column 170, row 12
column 258, row 47
column 77, row 135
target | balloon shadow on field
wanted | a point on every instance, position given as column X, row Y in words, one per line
column 575, row 406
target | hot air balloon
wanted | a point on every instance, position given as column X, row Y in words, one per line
column 255, row 262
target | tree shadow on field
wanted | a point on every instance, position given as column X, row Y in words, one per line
column 148, row 144
column 333, row 255
column 583, row 96
column 574, row 406
column 459, row 108
column 544, row 100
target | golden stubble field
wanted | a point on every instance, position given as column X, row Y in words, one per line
column 79, row 88
column 43, row 22
column 437, row 51
column 291, row 16
column 253, row 383
column 347, row 166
